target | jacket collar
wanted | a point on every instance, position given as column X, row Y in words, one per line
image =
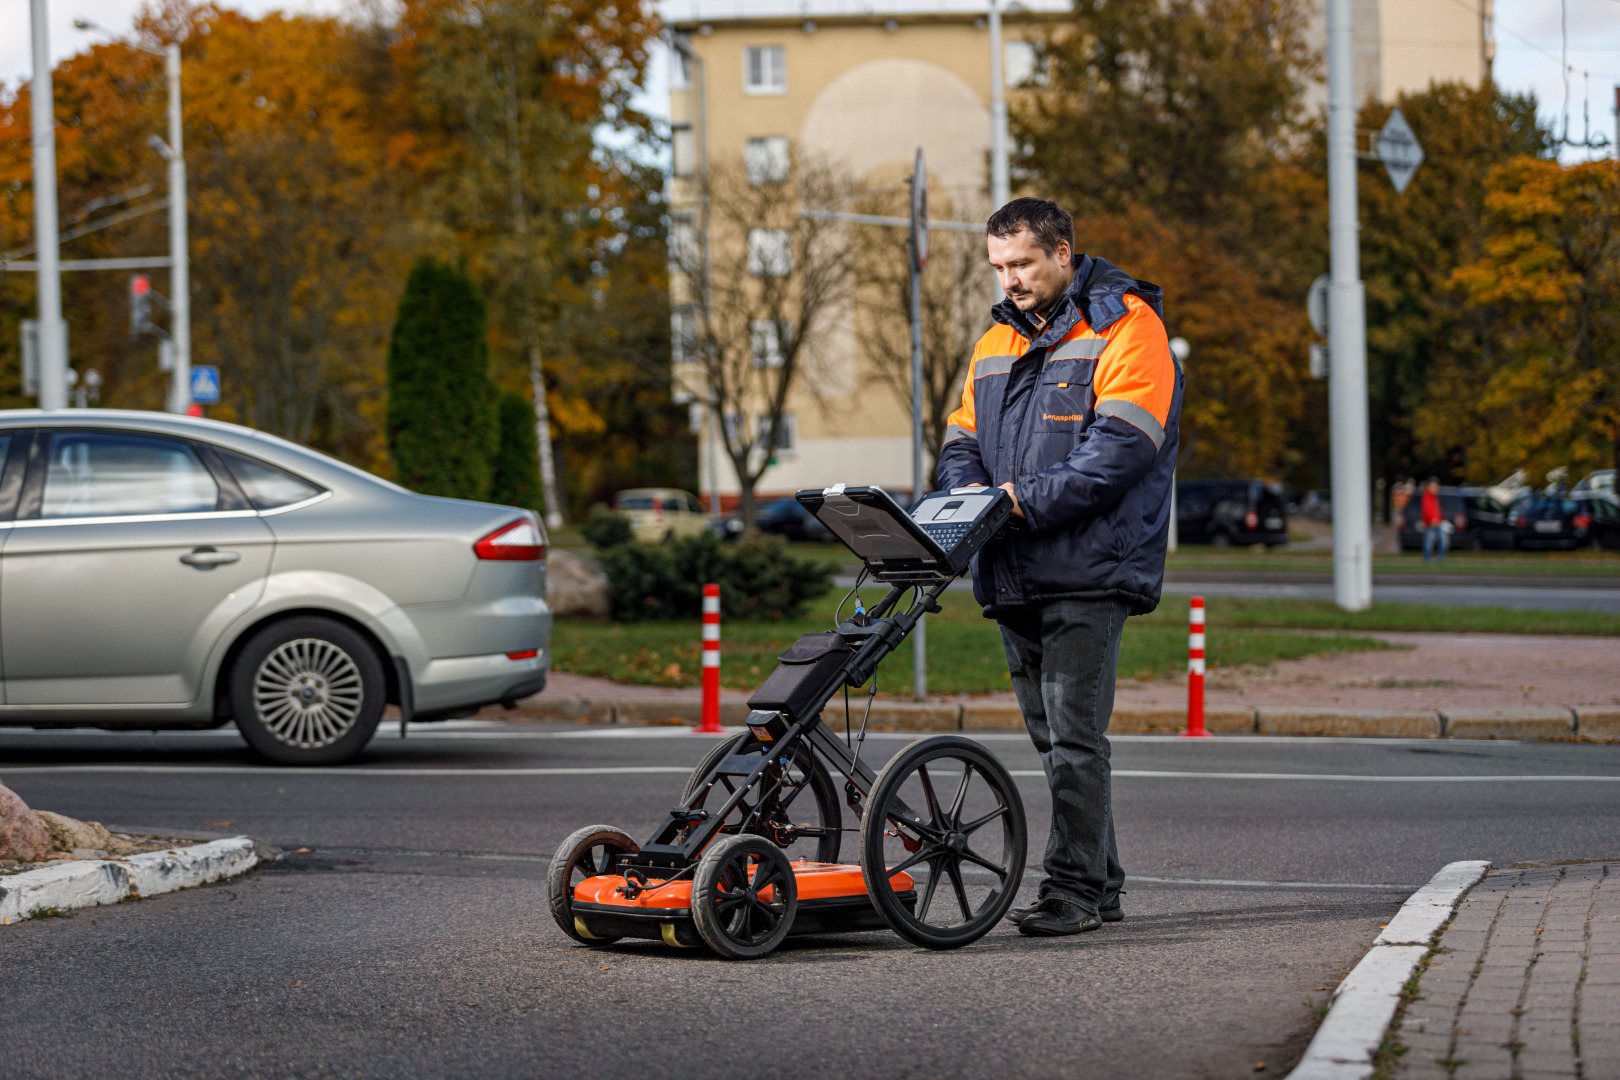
column 1096, row 294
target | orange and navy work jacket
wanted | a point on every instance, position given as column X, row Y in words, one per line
column 1082, row 416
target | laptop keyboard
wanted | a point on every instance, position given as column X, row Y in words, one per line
column 948, row 534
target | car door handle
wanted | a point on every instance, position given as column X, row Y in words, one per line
column 206, row 558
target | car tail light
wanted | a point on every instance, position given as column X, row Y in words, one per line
column 1582, row 521
column 517, row 542
column 1251, row 520
column 1461, row 521
column 523, row 654
column 1521, row 521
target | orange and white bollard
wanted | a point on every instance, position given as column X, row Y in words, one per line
column 1195, row 671
column 710, row 724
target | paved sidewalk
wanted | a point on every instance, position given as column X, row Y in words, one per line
column 1526, row 984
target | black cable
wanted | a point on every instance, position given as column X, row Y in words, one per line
column 838, row 615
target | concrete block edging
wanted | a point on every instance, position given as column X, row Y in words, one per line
column 93, row 882
column 1365, row 1002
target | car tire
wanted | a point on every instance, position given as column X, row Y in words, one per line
column 307, row 691
column 1221, row 540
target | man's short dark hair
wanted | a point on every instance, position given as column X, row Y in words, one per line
column 1046, row 221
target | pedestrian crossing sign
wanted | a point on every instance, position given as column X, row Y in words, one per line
column 205, row 384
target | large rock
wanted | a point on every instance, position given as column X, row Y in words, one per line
column 22, row 835
column 70, row 834
column 575, row 588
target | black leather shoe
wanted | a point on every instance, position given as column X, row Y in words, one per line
column 1107, row 914
column 1057, row 918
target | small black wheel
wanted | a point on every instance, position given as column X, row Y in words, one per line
column 744, row 897
column 307, row 691
column 586, row 853
column 814, row 830
column 962, row 842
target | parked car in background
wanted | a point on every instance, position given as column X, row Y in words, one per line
column 1228, row 512
column 1600, row 480
column 1561, row 522
column 1604, row 509
column 658, row 514
column 780, row 517
column 1478, row 520
column 161, row 571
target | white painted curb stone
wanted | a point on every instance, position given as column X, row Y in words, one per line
column 107, row 881
column 1365, row 1003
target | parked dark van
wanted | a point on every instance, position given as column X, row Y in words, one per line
column 1228, row 512
column 1570, row 521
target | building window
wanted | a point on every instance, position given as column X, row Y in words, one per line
column 785, row 442
column 765, row 340
column 770, row 252
column 765, row 69
column 685, row 245
column 768, row 160
column 680, row 70
column 1022, row 65
column 683, row 149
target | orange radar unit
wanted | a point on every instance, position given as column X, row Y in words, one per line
column 750, row 855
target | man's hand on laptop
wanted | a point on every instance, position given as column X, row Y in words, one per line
column 1018, row 511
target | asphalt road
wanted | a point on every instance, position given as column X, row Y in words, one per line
column 412, row 940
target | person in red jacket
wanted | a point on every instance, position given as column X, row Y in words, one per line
column 1436, row 538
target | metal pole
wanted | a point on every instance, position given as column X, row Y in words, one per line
column 179, row 248
column 52, row 332
column 919, row 637
column 1347, row 377
column 1000, row 191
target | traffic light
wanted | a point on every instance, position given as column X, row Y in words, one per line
column 140, row 305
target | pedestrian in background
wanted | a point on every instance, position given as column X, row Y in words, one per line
column 1399, row 496
column 1436, row 537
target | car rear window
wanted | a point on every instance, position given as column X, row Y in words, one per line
column 636, row 502
column 1550, row 508
column 266, row 486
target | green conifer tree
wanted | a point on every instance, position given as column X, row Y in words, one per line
column 516, row 479
column 442, row 426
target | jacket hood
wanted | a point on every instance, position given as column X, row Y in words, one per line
column 1096, row 294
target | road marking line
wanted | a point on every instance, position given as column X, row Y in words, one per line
column 1152, row 774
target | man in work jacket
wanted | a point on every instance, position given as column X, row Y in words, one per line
column 1071, row 404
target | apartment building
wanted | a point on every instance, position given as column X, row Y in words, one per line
column 862, row 85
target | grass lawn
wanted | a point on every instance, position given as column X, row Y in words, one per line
column 964, row 649
column 1585, row 562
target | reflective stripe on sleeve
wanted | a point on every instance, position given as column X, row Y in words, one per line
column 992, row 365
column 957, row 431
column 1079, row 349
column 1136, row 416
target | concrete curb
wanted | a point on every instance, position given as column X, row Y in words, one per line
column 90, row 883
column 1365, row 1002
column 1529, row 722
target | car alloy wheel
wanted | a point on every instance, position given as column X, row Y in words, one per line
column 308, row 690
column 307, row 693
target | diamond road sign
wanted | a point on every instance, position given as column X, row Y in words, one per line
column 1398, row 149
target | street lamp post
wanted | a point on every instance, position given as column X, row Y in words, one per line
column 52, row 331
column 173, row 152
column 1347, row 374
column 1000, row 184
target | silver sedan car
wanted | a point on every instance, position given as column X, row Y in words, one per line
column 158, row 571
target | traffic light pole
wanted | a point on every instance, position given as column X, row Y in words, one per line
column 179, row 249
column 52, row 332
column 1347, row 375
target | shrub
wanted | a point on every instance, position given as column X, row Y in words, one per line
column 515, row 476
column 442, row 429
column 759, row 578
column 604, row 529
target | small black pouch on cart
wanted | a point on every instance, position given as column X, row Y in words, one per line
column 807, row 668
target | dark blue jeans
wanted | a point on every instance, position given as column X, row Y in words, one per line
column 1064, row 656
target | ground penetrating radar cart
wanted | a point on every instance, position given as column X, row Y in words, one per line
column 750, row 855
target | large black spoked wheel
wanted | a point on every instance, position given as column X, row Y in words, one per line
column 744, row 897
column 796, row 799
column 586, row 853
column 946, row 812
column 307, row 691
